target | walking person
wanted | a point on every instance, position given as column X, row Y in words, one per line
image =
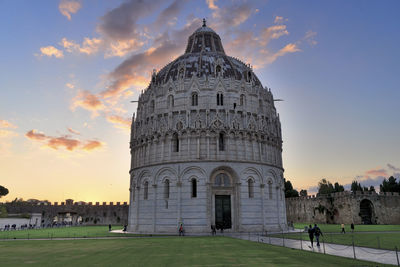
column 181, row 230
column 317, row 233
column 311, row 235
column 109, row 227
column 352, row 227
column 343, row 231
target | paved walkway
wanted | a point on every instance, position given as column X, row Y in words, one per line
column 360, row 253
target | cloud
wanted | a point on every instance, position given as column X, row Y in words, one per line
column 309, row 37
column 134, row 71
column 377, row 172
column 68, row 143
column 51, row 51
column 70, row 85
column 91, row 145
column 211, row 4
column 88, row 101
column 73, row 131
column 392, row 167
column 33, row 135
column 230, row 16
column 65, row 142
column 120, row 122
column 89, row 46
column 7, row 133
column 68, row 7
column 279, row 19
column 7, row 124
column 120, row 23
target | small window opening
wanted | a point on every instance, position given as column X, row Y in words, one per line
column 218, row 70
column 176, row 143
column 146, row 190
column 251, row 188
column 194, row 99
column 221, row 142
column 166, row 189
column 194, row 188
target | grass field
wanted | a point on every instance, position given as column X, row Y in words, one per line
column 171, row 251
column 67, row 232
column 335, row 228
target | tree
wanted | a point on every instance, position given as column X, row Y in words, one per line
column 390, row 185
column 289, row 191
column 356, row 186
column 371, row 188
column 325, row 187
column 3, row 191
column 303, row 193
column 339, row 187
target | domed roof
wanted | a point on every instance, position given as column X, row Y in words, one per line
column 205, row 55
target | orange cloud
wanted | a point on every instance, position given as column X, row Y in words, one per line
column 88, row 101
column 279, row 19
column 377, row 172
column 51, row 51
column 7, row 124
column 73, row 131
column 66, row 142
column 91, row 145
column 120, row 122
column 57, row 142
column 211, row 4
column 89, row 46
column 68, row 7
column 7, row 133
column 35, row 136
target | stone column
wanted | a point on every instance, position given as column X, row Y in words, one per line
column 198, row 146
column 154, row 207
column 262, row 186
column 179, row 187
column 137, row 208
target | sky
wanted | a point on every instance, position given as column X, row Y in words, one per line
column 70, row 68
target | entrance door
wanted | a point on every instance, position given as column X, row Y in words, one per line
column 223, row 212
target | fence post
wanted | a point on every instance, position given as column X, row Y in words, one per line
column 323, row 243
column 397, row 256
column 379, row 242
column 301, row 241
column 283, row 236
column 354, row 250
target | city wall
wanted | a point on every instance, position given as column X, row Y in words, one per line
column 73, row 213
column 345, row 207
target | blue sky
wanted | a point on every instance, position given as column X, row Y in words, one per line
column 69, row 68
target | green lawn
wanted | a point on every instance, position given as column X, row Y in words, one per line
column 332, row 228
column 171, row 251
column 363, row 239
column 68, row 232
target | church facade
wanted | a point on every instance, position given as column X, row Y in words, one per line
column 206, row 147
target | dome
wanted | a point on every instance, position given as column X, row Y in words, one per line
column 205, row 56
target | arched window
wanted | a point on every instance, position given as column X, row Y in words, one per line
column 218, row 70
column 194, row 187
column 242, row 100
column 170, row 101
column 146, row 190
column 175, row 142
column 251, row 188
column 181, row 73
column 221, row 142
column 222, row 180
column 260, row 103
column 194, row 99
column 270, row 189
column 166, row 189
column 152, row 106
column 220, row 99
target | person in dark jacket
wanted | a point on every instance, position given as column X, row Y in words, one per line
column 317, row 233
column 311, row 235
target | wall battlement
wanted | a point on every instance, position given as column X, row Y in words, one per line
column 346, row 207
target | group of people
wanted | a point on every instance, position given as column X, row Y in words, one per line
column 344, row 231
column 314, row 231
column 7, row 227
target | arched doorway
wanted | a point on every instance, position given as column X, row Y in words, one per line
column 367, row 213
column 223, row 199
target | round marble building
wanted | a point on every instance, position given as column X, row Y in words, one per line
column 206, row 147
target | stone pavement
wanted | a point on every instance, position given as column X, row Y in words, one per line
column 360, row 253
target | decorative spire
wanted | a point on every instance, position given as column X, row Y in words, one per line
column 204, row 22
